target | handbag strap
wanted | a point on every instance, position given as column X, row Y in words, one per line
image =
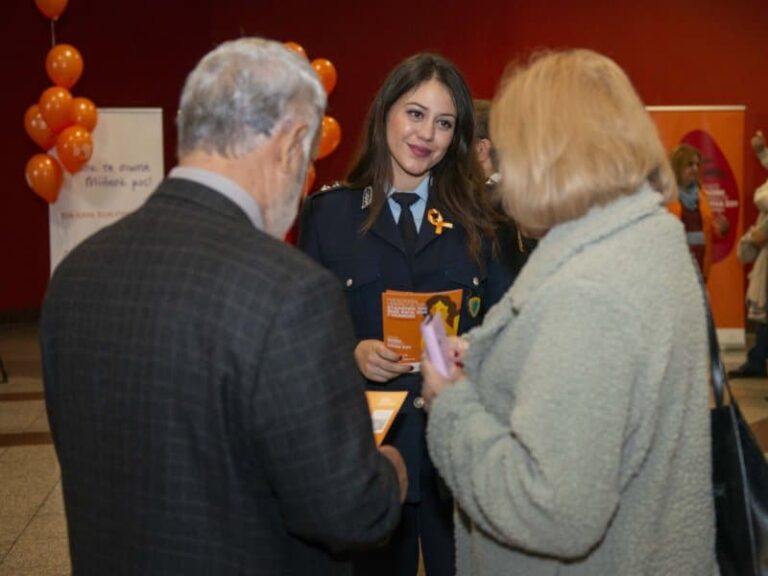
column 717, row 369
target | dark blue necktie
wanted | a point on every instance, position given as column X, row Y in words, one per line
column 406, row 224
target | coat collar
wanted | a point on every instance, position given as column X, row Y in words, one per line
column 197, row 193
column 567, row 239
column 553, row 251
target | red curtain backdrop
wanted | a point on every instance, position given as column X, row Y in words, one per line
column 137, row 54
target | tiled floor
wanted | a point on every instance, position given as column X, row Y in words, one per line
column 33, row 534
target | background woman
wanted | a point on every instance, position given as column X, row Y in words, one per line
column 757, row 289
column 576, row 440
column 386, row 229
column 692, row 206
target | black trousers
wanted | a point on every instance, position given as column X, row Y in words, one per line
column 429, row 522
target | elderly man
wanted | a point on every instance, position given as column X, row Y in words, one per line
column 202, row 393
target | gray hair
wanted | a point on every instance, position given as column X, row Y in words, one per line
column 240, row 93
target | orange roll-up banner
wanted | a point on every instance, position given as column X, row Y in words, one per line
column 718, row 132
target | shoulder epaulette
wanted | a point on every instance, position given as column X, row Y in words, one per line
column 329, row 187
column 324, row 190
column 366, row 195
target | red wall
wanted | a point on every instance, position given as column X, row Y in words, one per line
column 137, row 53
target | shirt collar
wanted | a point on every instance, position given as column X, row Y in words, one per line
column 224, row 186
column 422, row 190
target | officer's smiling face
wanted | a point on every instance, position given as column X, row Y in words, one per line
column 420, row 126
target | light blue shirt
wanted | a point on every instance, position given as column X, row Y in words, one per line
column 224, row 186
column 417, row 208
column 695, row 238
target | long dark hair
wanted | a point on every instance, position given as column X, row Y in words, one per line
column 457, row 180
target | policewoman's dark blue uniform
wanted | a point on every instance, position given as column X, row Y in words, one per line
column 367, row 264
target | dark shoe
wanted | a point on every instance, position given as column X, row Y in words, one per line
column 747, row 371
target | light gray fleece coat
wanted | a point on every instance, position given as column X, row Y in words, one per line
column 579, row 441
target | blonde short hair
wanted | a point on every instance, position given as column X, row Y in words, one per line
column 680, row 156
column 572, row 133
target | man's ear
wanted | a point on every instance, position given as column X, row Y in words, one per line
column 483, row 150
column 290, row 147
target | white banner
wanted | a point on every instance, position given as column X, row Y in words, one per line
column 126, row 166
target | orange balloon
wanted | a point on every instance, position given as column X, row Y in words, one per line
column 310, row 180
column 55, row 104
column 37, row 129
column 326, row 71
column 52, row 8
column 44, row 176
column 298, row 48
column 75, row 147
column 64, row 65
column 83, row 112
column 330, row 136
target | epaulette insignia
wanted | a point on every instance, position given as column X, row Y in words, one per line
column 325, row 187
column 367, row 197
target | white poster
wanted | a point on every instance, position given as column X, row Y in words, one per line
column 126, row 166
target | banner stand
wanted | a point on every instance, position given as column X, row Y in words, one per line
column 718, row 133
column 126, row 166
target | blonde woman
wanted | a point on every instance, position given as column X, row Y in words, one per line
column 575, row 438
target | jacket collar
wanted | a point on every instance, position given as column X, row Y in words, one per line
column 565, row 240
column 225, row 187
column 197, row 193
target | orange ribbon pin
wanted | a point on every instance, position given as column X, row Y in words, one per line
column 436, row 219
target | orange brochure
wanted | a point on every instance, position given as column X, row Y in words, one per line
column 383, row 406
column 402, row 315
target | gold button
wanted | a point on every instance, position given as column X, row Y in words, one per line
column 349, row 282
column 418, row 402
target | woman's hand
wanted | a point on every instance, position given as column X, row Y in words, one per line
column 458, row 347
column 758, row 142
column 434, row 382
column 722, row 224
column 377, row 362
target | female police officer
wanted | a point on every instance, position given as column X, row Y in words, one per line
column 411, row 216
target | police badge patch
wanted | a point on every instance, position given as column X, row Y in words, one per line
column 473, row 305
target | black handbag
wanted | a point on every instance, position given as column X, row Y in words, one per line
column 739, row 479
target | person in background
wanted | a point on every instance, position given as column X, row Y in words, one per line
column 514, row 246
column 411, row 216
column 600, row 462
column 204, row 405
column 692, row 207
column 758, row 145
column 757, row 290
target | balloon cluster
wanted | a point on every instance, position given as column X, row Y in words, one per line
column 58, row 119
column 330, row 130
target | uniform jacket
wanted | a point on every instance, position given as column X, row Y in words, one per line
column 370, row 263
column 579, row 441
column 516, row 248
column 204, row 403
